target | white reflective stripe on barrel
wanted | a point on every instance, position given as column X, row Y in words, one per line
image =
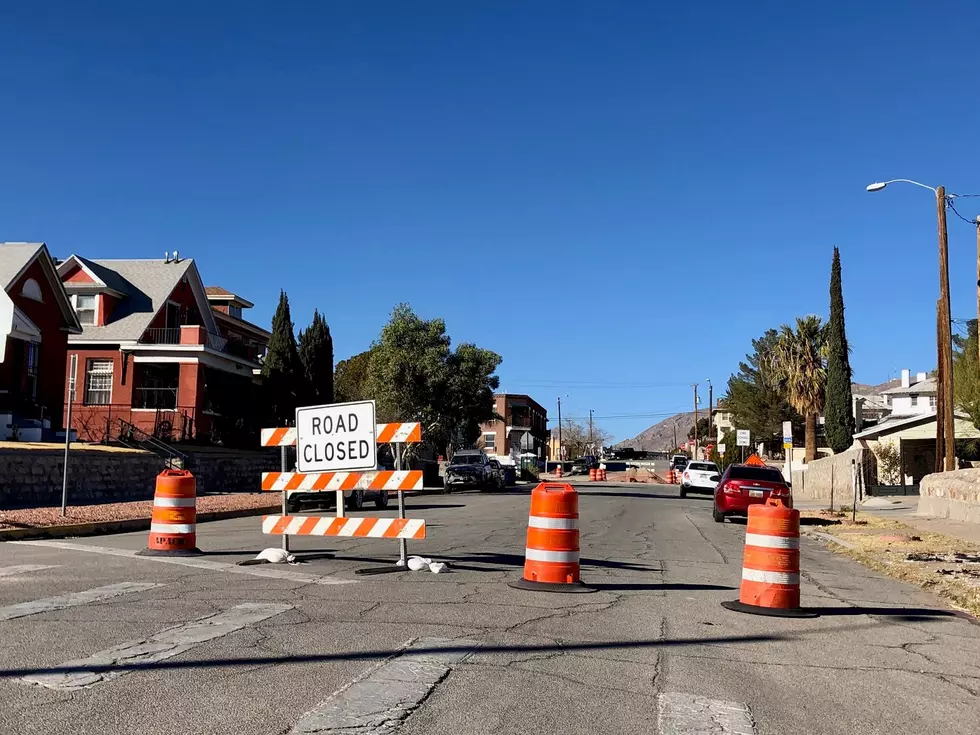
column 174, row 502
column 172, row 528
column 563, row 557
column 772, row 542
column 757, row 575
column 552, row 523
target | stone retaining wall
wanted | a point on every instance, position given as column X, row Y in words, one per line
column 33, row 477
column 954, row 495
column 827, row 478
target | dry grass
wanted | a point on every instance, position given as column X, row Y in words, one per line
column 108, row 512
column 884, row 545
column 60, row 447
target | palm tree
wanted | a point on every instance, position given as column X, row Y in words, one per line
column 799, row 362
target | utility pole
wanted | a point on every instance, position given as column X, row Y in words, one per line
column 711, row 406
column 946, row 386
column 694, row 454
column 675, row 436
column 978, row 283
column 560, row 457
column 590, row 430
column 940, row 397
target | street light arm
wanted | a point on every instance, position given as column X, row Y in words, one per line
column 879, row 185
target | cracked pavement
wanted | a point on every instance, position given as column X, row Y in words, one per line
column 652, row 642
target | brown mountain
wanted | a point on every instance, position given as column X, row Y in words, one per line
column 660, row 436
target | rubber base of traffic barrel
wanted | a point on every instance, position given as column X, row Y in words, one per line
column 772, row 612
column 574, row 588
column 170, row 552
column 383, row 570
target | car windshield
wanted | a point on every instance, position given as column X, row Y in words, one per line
column 706, row 466
column 760, row 474
column 466, row 459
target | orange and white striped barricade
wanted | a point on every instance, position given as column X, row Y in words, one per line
column 173, row 522
column 397, row 481
column 771, row 563
column 551, row 555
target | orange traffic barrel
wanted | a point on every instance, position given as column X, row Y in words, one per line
column 173, row 530
column 593, row 474
column 771, row 563
column 551, row 555
column 602, row 474
column 558, row 470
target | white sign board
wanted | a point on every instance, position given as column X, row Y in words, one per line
column 742, row 438
column 721, row 450
column 788, row 433
column 6, row 320
column 336, row 437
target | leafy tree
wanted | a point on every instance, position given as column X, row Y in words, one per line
column 798, row 360
column 966, row 373
column 755, row 399
column 281, row 369
column 703, row 438
column 350, row 378
column 733, row 454
column 316, row 357
column 839, row 410
column 415, row 376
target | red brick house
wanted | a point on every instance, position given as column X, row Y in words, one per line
column 32, row 373
column 156, row 352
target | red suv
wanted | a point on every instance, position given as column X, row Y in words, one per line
column 744, row 485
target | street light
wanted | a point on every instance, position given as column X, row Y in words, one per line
column 945, row 437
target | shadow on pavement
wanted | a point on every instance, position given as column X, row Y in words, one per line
column 905, row 613
column 653, row 586
column 517, row 560
column 382, row 654
column 623, row 494
column 807, row 521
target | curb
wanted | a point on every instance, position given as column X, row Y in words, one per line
column 96, row 528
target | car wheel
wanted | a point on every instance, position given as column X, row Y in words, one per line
column 717, row 515
column 292, row 506
column 382, row 500
column 356, row 500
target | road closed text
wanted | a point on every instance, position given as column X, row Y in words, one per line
column 332, row 442
column 338, row 437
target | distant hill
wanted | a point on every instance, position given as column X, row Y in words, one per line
column 660, row 436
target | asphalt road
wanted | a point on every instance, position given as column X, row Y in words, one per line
column 96, row 640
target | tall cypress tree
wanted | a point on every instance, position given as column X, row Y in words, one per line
column 316, row 356
column 839, row 408
column 281, row 370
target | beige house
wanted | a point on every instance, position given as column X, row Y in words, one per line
column 913, row 438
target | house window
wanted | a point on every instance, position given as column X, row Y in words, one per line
column 235, row 311
column 932, row 401
column 915, row 399
column 490, row 442
column 98, row 382
column 33, row 351
column 85, row 305
column 31, row 290
column 173, row 315
column 156, row 386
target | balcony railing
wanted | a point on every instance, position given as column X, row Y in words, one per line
column 161, row 337
column 216, row 342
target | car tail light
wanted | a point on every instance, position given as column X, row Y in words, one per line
column 731, row 488
column 780, row 491
column 687, row 475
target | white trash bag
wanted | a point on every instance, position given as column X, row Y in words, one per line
column 276, row 556
column 418, row 563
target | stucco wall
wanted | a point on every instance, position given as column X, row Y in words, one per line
column 954, row 495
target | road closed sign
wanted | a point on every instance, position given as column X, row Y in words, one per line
column 336, row 437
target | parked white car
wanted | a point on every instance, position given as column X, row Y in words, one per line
column 700, row 477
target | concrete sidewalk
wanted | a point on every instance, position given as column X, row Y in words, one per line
column 903, row 508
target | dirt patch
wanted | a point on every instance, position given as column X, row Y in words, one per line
column 107, row 512
column 942, row 564
column 75, row 447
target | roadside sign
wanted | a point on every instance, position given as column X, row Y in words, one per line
column 721, row 449
column 787, row 434
column 742, row 438
column 336, row 437
column 6, row 320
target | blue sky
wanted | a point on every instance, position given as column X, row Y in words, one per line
column 616, row 197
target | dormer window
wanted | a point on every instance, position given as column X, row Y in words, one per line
column 85, row 307
column 31, row 290
column 235, row 311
